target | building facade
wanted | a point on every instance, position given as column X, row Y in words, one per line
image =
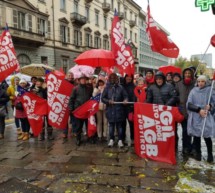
column 55, row 32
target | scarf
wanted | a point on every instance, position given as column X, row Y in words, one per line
column 140, row 93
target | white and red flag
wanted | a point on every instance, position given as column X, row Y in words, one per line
column 155, row 131
column 8, row 60
column 121, row 51
column 159, row 41
column 35, row 108
column 59, row 91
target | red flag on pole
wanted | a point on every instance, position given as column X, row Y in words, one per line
column 8, row 60
column 88, row 109
column 59, row 91
column 122, row 53
column 159, row 41
column 35, row 108
column 155, row 131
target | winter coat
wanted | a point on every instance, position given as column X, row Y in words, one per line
column 116, row 93
column 80, row 94
column 19, row 113
column 4, row 98
column 162, row 95
column 11, row 90
column 198, row 99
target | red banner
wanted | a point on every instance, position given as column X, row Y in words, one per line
column 122, row 52
column 155, row 131
column 35, row 108
column 92, row 129
column 8, row 60
column 59, row 91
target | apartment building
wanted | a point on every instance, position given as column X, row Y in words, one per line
column 55, row 32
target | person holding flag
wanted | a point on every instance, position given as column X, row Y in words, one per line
column 115, row 96
column 80, row 94
column 200, row 106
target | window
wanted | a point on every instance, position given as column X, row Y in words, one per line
column 105, row 23
column 131, row 15
column 131, row 35
column 112, row 4
column 87, row 13
column 41, row 26
column 97, row 18
column 125, row 12
column 44, row 60
column 88, row 39
column 63, row 5
column 77, row 37
column 75, row 6
column 21, row 20
column 97, row 41
column 65, row 34
column 65, row 63
column 118, row 5
column 135, row 19
column 125, row 33
column 135, row 38
column 23, row 59
column 105, row 44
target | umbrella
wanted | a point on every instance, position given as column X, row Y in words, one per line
column 36, row 69
column 96, row 58
column 82, row 70
column 167, row 69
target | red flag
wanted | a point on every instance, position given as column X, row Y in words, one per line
column 155, row 131
column 59, row 91
column 158, row 39
column 35, row 108
column 8, row 60
column 122, row 53
column 214, row 76
column 87, row 109
column 91, row 126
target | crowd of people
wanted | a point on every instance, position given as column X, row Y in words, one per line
column 116, row 109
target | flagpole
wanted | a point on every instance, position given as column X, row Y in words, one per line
column 212, row 85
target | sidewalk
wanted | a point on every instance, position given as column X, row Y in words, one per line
column 60, row 166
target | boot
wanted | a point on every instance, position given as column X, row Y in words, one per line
column 21, row 136
column 78, row 140
column 210, row 158
column 41, row 136
column 49, row 131
column 209, row 145
column 26, row 136
column 19, row 131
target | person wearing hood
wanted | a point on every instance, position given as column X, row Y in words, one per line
column 183, row 89
column 115, row 113
column 161, row 92
column 149, row 77
column 199, row 110
column 11, row 90
column 176, row 77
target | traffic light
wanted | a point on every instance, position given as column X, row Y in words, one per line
column 213, row 8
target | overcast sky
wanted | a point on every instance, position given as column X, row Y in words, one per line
column 189, row 28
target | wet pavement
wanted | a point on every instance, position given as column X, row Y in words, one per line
column 59, row 166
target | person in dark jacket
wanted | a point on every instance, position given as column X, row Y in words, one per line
column 183, row 89
column 80, row 94
column 161, row 92
column 115, row 113
column 4, row 98
column 129, row 87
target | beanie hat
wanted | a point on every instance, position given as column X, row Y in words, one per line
column 160, row 74
column 202, row 77
column 22, row 81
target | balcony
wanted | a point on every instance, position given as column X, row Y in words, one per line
column 24, row 37
column 88, row 1
column 132, row 23
column 106, row 7
column 78, row 19
column 121, row 15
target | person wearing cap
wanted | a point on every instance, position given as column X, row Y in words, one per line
column 20, row 113
column 115, row 113
column 11, row 93
column 183, row 89
column 80, row 94
column 160, row 92
column 149, row 77
column 199, row 110
column 4, row 98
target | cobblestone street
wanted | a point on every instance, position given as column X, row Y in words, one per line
column 60, row 166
